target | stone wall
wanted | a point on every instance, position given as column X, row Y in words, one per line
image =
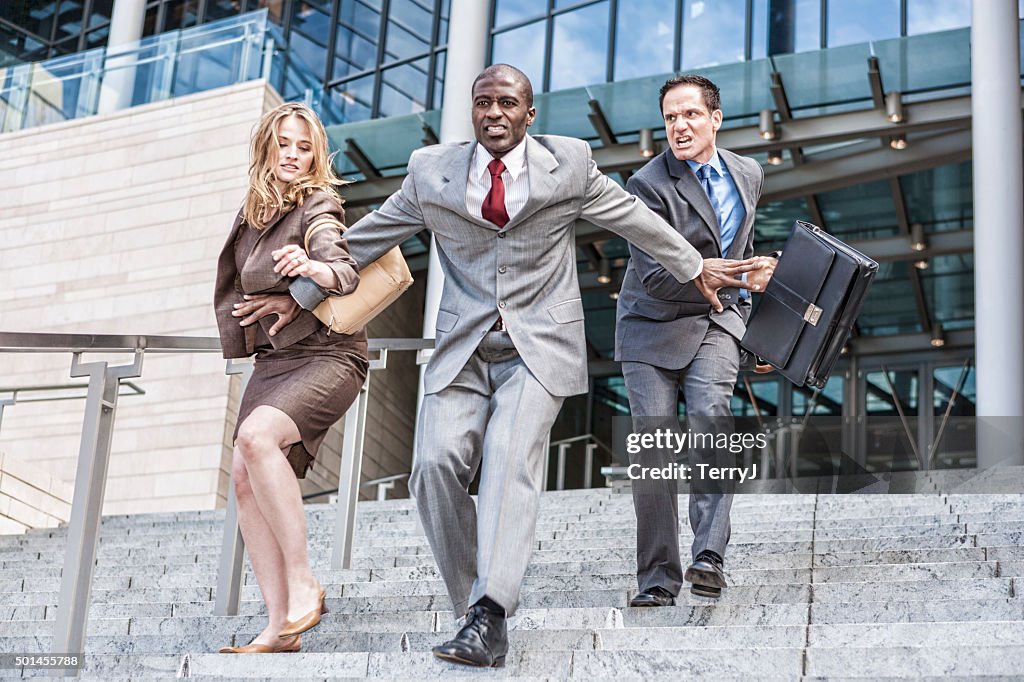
column 112, row 225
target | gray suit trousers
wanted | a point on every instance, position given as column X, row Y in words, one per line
column 707, row 383
column 494, row 416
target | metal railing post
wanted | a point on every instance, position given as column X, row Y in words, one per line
column 232, row 547
column 588, row 465
column 560, row 471
column 351, row 469
column 547, row 462
column 348, row 480
column 4, row 402
column 90, row 482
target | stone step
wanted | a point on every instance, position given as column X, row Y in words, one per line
column 1000, row 539
column 961, row 570
column 548, row 639
column 949, row 660
column 900, row 556
column 990, row 633
column 745, row 662
column 918, row 611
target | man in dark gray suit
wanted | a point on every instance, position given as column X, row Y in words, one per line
column 667, row 335
column 510, row 345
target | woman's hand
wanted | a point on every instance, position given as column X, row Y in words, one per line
column 292, row 261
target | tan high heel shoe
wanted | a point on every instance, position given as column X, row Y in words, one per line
column 308, row 621
column 289, row 646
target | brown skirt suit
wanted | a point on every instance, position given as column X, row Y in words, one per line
column 309, row 374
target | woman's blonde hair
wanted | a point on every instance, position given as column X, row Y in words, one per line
column 263, row 196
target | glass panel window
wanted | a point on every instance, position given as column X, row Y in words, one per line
column 402, row 44
column 404, row 89
column 69, row 20
column 354, row 99
column 949, row 290
column 415, row 15
column 36, row 17
column 442, row 29
column 523, row 47
column 99, row 13
column 783, row 26
column 828, row 403
column 714, row 32
column 315, row 23
column 955, row 440
column 928, row 16
column 363, row 18
column 864, row 211
column 766, row 396
column 97, row 38
column 941, row 198
column 439, row 80
column 579, row 49
column 890, row 442
column 310, row 53
column 221, row 9
column 644, row 38
column 861, row 21
column 180, row 14
column 16, row 46
column 889, row 307
column 775, row 222
column 274, row 9
column 352, row 52
column 513, row 11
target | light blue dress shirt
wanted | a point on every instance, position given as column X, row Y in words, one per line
column 728, row 196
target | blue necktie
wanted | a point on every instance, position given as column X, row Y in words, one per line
column 704, row 173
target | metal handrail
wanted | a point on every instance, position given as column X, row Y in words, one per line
column 15, row 390
column 588, row 458
column 383, row 484
column 15, row 399
column 50, row 342
column 94, row 456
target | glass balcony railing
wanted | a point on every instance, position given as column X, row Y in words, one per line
column 156, row 68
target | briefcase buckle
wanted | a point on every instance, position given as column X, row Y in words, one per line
column 812, row 314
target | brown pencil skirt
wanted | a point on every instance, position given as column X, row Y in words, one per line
column 313, row 386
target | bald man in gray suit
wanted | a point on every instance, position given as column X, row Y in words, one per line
column 510, row 343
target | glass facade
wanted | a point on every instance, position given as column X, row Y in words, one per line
column 373, row 58
column 608, row 40
column 386, row 58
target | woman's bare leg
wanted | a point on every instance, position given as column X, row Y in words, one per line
column 264, row 554
column 261, row 441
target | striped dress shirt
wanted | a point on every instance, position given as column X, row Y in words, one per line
column 515, row 177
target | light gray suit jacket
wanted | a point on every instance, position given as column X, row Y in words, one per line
column 526, row 272
column 658, row 320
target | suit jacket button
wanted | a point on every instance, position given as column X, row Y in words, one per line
column 501, row 235
column 502, row 269
column 501, row 304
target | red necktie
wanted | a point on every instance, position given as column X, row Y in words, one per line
column 493, row 208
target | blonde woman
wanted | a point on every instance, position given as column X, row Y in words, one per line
column 304, row 379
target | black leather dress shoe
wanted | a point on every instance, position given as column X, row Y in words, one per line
column 482, row 641
column 706, row 575
column 655, row 596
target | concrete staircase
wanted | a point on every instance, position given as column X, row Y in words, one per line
column 913, row 586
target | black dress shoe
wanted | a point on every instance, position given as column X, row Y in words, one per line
column 482, row 641
column 655, row 596
column 706, row 575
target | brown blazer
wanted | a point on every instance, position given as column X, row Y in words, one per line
column 258, row 276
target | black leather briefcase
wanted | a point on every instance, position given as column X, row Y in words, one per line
column 809, row 306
